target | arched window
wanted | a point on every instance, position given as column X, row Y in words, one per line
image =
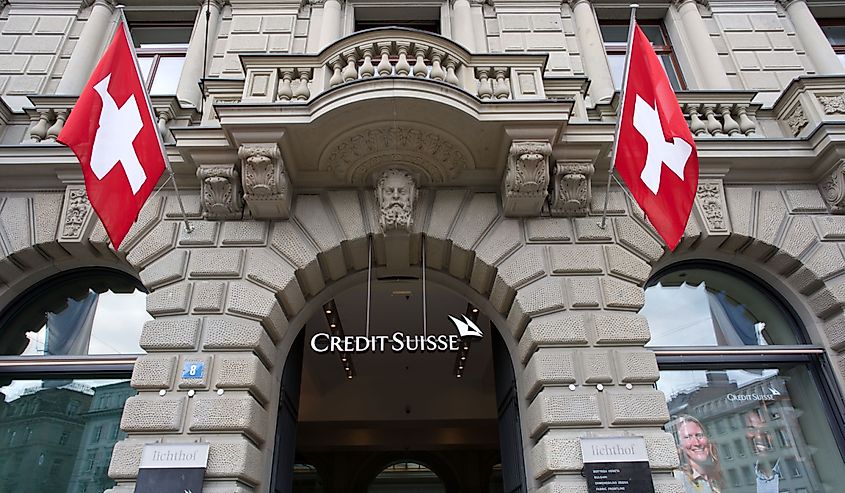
column 406, row 476
column 751, row 401
column 67, row 344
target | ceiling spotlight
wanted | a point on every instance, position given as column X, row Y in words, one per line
column 475, row 310
column 332, row 325
column 458, row 375
column 463, row 357
column 328, row 311
column 466, row 348
column 461, row 367
column 349, row 376
column 343, row 358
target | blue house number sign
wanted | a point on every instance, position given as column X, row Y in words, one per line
column 193, row 369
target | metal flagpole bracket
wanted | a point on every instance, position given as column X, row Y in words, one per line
column 631, row 24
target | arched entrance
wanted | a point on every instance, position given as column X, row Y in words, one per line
column 404, row 388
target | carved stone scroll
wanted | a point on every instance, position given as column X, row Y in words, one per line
column 265, row 183
column 220, row 194
column 76, row 214
column 396, row 194
column 526, row 181
column 832, row 188
column 571, row 193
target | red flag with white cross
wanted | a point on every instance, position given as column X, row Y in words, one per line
column 113, row 134
column 655, row 150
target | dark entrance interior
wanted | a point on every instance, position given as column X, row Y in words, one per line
column 398, row 422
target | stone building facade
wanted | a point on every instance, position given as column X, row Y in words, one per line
column 324, row 144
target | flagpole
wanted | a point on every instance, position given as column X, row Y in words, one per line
column 131, row 44
column 632, row 23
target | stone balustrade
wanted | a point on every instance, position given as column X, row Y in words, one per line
column 720, row 113
column 396, row 58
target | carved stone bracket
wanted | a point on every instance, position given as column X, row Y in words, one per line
column 832, row 188
column 571, row 191
column 710, row 201
column 396, row 194
column 833, row 104
column 220, row 194
column 265, row 184
column 76, row 214
column 526, row 182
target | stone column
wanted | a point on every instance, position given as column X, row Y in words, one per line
column 462, row 31
column 87, row 50
column 593, row 56
column 812, row 37
column 199, row 53
column 703, row 51
column 331, row 30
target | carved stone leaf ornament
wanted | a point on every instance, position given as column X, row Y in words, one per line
column 711, row 203
column 796, row 120
column 833, row 104
column 220, row 194
column 396, row 194
column 265, row 183
column 832, row 188
column 572, row 188
column 526, row 181
column 77, row 212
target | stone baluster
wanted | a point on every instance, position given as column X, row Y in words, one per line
column 384, row 68
column 451, row 77
column 164, row 116
column 367, row 69
column 746, row 124
column 485, row 88
column 350, row 72
column 502, row 88
column 285, row 92
column 695, row 124
column 38, row 132
column 337, row 78
column 301, row 92
column 729, row 125
column 713, row 125
column 420, row 70
column 55, row 128
column 403, row 68
column 437, row 72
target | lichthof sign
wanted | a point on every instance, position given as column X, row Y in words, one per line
column 398, row 342
column 616, row 465
column 169, row 468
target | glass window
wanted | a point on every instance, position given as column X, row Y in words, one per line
column 834, row 29
column 81, row 458
column 161, row 50
column 742, row 386
column 615, row 38
column 412, row 17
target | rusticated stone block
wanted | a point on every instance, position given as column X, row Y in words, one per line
column 480, row 211
column 196, row 380
column 620, row 328
column 167, row 334
column 637, row 407
column 566, row 329
column 235, row 458
column 622, row 295
column 524, row 266
column 153, row 372
column 244, row 371
column 168, row 269
column 204, row 234
column 244, row 233
column 576, row 259
column 152, row 413
column 568, row 484
column 155, row 244
column 216, row 263
column 234, row 334
column 170, row 300
column 835, row 331
column 634, row 236
column 637, row 366
column 557, row 451
column 595, row 366
column 543, row 296
column 825, row 304
column 626, row 265
column 125, row 459
column 251, row 301
column 558, row 408
column 270, row 270
column 588, row 230
column 826, row 261
column 227, row 414
column 209, row 296
column 548, row 367
column 549, row 229
column 583, row 292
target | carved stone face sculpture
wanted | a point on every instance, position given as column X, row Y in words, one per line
column 396, row 192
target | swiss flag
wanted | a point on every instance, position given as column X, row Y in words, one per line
column 112, row 132
column 655, row 151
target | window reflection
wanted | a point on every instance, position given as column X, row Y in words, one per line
column 53, row 438
column 776, row 437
